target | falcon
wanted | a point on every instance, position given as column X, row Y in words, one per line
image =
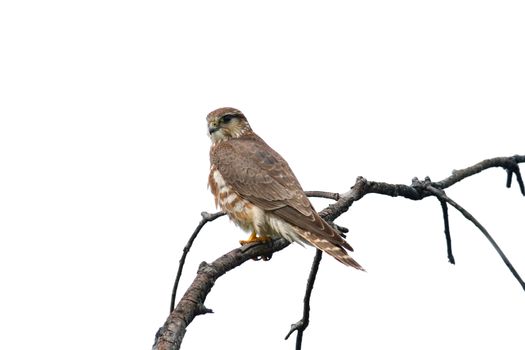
column 255, row 186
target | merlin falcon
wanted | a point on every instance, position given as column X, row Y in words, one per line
column 255, row 186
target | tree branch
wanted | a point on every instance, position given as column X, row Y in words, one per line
column 507, row 163
column 444, row 208
column 442, row 196
column 170, row 335
column 301, row 325
column 516, row 170
column 323, row 194
column 206, row 217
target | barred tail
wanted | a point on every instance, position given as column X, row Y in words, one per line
column 336, row 251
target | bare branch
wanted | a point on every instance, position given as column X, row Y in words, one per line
column 192, row 303
column 301, row 325
column 503, row 162
column 206, row 217
column 363, row 187
column 442, row 196
column 341, row 229
column 515, row 170
column 169, row 336
column 323, row 194
column 444, row 208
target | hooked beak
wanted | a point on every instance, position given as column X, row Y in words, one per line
column 212, row 128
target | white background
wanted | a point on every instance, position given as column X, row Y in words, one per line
column 104, row 164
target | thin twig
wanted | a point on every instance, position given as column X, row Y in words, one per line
column 305, row 320
column 323, row 194
column 509, row 178
column 341, row 229
column 444, row 208
column 441, row 195
column 520, row 181
column 302, row 324
column 206, row 217
column 516, row 170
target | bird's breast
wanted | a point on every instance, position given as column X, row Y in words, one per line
column 237, row 208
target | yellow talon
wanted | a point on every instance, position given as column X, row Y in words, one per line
column 253, row 238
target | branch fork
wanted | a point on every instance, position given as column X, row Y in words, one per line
column 170, row 335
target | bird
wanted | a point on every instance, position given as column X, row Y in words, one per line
column 255, row 186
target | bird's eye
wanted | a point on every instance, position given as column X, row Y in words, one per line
column 227, row 118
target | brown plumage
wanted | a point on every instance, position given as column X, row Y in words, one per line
column 259, row 191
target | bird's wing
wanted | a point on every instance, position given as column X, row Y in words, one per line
column 260, row 175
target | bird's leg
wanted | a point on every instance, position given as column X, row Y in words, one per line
column 253, row 238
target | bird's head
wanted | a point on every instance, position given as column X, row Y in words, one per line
column 227, row 123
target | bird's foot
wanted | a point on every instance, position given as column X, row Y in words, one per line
column 253, row 238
